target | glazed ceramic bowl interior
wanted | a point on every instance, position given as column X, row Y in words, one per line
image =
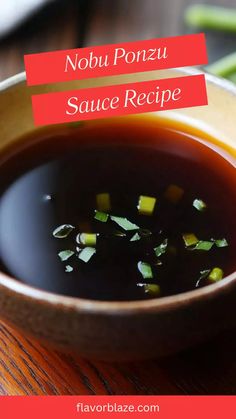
column 217, row 119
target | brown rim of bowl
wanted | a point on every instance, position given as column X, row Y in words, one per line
column 82, row 304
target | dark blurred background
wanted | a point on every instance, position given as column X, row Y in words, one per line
column 63, row 24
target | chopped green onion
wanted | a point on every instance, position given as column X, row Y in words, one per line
column 211, row 17
column 203, row 274
column 150, row 289
column 161, row 249
column 223, row 67
column 135, row 237
column 68, row 268
column 189, row 239
column 65, row 254
column 216, row 275
column 87, row 239
column 174, row 193
column 103, row 202
column 207, row 245
column 199, row 204
column 86, row 254
column 221, row 243
column 146, row 205
column 63, row 231
column 145, row 269
column 101, row 216
column 203, row 245
column 124, row 223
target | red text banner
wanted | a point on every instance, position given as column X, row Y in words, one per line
column 102, row 407
column 108, row 60
column 116, row 100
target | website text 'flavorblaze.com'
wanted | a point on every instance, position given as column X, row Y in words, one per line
column 116, row 408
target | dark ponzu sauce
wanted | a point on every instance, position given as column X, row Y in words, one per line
column 117, row 212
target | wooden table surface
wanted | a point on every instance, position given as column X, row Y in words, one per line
column 26, row 367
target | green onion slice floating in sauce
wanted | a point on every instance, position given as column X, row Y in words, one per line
column 87, row 239
column 199, row 204
column 86, row 254
column 146, row 205
column 151, row 289
column 124, row 223
column 161, row 249
column 215, row 275
column 63, row 231
column 203, row 245
column 208, row 244
column 221, row 243
column 101, row 216
column 190, row 239
column 68, row 268
column 65, row 254
column 135, row 237
column 145, row 269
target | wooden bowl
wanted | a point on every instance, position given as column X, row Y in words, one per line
column 120, row 330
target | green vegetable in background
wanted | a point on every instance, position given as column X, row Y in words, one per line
column 232, row 77
column 219, row 19
column 224, row 67
column 211, row 17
